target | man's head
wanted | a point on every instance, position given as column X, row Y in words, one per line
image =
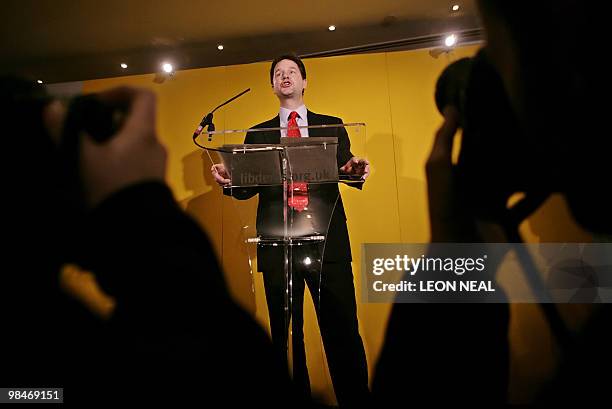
column 288, row 77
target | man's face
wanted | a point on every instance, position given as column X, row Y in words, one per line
column 287, row 80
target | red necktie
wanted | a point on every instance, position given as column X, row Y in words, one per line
column 299, row 199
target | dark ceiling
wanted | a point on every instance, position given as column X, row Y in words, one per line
column 69, row 40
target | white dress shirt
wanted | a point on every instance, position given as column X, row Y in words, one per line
column 302, row 119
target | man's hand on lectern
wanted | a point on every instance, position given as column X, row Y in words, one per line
column 357, row 167
column 220, row 174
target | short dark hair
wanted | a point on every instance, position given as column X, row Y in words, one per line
column 452, row 84
column 291, row 57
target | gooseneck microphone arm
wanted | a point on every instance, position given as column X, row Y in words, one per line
column 208, row 119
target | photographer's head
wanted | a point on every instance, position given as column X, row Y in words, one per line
column 554, row 84
column 34, row 212
column 452, row 84
column 497, row 158
column 31, row 121
column 488, row 171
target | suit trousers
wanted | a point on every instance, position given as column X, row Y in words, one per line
column 333, row 293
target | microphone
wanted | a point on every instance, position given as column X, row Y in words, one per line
column 208, row 119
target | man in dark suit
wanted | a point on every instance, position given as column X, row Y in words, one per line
column 326, row 267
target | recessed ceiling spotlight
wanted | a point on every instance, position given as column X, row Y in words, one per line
column 455, row 7
column 167, row 67
column 123, row 65
column 39, row 81
column 220, row 47
column 331, row 28
column 450, row 40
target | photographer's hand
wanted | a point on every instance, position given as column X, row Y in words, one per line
column 449, row 222
column 440, row 181
column 131, row 156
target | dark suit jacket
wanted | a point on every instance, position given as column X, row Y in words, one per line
column 337, row 247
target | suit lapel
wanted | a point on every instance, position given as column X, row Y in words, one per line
column 271, row 137
column 314, row 119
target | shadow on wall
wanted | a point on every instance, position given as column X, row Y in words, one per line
column 414, row 219
column 218, row 216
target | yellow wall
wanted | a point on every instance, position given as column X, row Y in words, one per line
column 393, row 94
